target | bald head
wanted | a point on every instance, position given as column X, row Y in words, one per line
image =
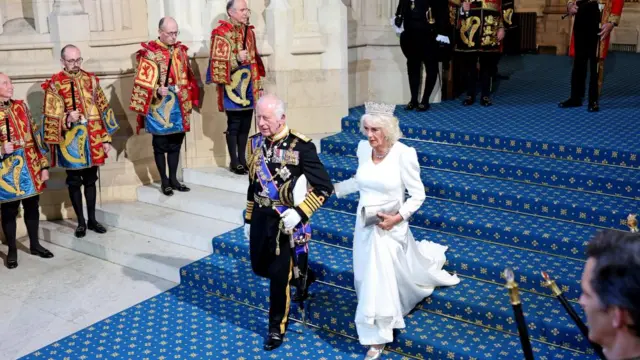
column 270, row 113
column 6, row 87
column 70, row 58
column 168, row 30
column 238, row 11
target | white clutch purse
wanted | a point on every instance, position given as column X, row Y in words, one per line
column 369, row 213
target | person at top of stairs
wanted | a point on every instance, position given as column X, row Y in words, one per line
column 277, row 158
column 423, row 24
column 611, row 293
column 237, row 69
column 165, row 91
column 392, row 271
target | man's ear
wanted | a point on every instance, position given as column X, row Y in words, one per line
column 619, row 317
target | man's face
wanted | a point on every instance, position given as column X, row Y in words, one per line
column 268, row 123
column 168, row 34
column 71, row 60
column 6, row 87
column 240, row 12
column 599, row 319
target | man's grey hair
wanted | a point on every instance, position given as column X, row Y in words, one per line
column 279, row 107
column 389, row 125
column 64, row 49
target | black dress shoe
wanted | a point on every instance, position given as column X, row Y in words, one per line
column 469, row 100
column 423, row 107
column 42, row 252
column 486, row 101
column 239, row 170
column 273, row 341
column 181, row 187
column 570, row 103
column 12, row 259
column 166, row 190
column 410, row 106
column 97, row 227
column 81, row 231
column 593, row 106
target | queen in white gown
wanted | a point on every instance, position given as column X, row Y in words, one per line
column 392, row 271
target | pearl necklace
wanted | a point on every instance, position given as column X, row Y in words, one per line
column 380, row 156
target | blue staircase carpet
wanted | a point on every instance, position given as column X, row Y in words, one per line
column 521, row 184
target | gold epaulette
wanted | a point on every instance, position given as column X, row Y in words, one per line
column 301, row 136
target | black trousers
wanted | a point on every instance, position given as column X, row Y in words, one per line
column 237, row 134
column 277, row 268
column 420, row 47
column 585, row 36
column 169, row 145
column 488, row 63
column 75, row 180
column 9, row 213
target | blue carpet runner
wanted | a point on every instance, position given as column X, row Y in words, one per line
column 521, row 184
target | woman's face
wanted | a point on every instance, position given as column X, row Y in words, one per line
column 375, row 135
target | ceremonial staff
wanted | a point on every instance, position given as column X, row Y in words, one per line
column 6, row 121
column 514, row 296
column 549, row 283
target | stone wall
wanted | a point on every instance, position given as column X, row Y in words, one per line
column 322, row 57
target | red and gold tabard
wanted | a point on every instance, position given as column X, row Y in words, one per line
column 169, row 114
column 238, row 83
column 611, row 13
column 20, row 171
column 79, row 145
column 478, row 28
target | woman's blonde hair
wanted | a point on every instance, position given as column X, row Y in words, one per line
column 389, row 124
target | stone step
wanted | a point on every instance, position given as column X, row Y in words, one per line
column 139, row 252
column 217, row 178
column 181, row 228
column 201, row 200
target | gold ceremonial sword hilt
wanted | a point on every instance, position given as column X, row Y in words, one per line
column 551, row 284
column 512, row 286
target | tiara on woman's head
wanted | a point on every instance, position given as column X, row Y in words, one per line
column 374, row 108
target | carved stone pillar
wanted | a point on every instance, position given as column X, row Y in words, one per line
column 69, row 23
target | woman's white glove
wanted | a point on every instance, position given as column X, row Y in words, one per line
column 247, row 232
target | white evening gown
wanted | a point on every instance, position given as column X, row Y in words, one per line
column 392, row 271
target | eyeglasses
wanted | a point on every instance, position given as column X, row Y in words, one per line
column 77, row 61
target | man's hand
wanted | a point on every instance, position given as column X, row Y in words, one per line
column 605, row 31
column 466, row 6
column 242, row 55
column 290, row 219
column 44, row 175
column 389, row 221
column 7, row 148
column 106, row 147
column 247, row 231
column 500, row 34
column 73, row 116
column 163, row 91
column 572, row 8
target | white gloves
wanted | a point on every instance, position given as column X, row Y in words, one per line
column 247, row 228
column 290, row 218
column 442, row 39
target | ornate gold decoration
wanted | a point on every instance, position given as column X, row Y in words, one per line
column 468, row 30
column 240, row 78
